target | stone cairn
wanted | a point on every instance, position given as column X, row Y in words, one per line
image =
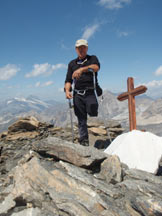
column 43, row 175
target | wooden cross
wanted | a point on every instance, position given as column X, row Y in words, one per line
column 130, row 95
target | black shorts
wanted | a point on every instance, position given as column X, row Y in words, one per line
column 85, row 104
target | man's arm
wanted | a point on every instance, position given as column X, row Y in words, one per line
column 68, row 82
column 95, row 68
column 68, row 88
column 84, row 69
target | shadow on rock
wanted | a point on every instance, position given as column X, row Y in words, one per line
column 102, row 144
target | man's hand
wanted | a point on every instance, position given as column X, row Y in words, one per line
column 69, row 95
column 67, row 90
column 77, row 73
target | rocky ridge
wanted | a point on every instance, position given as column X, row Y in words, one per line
column 31, row 128
column 45, row 176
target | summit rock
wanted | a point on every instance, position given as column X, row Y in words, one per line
column 50, row 176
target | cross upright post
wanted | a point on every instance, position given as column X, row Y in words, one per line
column 130, row 95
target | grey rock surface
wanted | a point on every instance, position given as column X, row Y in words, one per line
column 27, row 212
column 147, row 206
column 49, row 176
column 111, row 170
column 7, row 204
column 136, row 174
column 72, row 153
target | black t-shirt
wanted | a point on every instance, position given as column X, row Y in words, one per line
column 86, row 79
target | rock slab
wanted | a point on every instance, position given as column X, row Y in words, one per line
column 75, row 154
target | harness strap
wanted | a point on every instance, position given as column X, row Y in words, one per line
column 83, row 91
column 80, row 92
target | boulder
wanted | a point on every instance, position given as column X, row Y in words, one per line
column 24, row 124
column 22, row 135
column 102, row 133
column 111, row 170
column 97, row 131
column 70, row 152
column 3, row 134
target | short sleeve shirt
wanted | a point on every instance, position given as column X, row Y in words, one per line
column 86, row 79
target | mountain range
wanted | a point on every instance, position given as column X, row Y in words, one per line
column 148, row 111
column 14, row 108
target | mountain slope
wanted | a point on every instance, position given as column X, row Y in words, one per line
column 148, row 111
column 12, row 109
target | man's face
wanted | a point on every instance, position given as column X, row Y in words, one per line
column 82, row 51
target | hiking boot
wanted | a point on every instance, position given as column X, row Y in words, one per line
column 84, row 142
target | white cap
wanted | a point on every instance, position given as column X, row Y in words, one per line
column 81, row 42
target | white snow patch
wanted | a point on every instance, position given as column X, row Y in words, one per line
column 8, row 102
column 41, row 102
column 35, row 101
column 137, row 149
column 20, row 99
column 24, row 100
column 5, row 122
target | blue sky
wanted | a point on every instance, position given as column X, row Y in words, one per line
column 38, row 36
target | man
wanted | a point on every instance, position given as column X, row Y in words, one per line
column 84, row 98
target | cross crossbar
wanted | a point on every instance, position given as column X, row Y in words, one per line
column 139, row 90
